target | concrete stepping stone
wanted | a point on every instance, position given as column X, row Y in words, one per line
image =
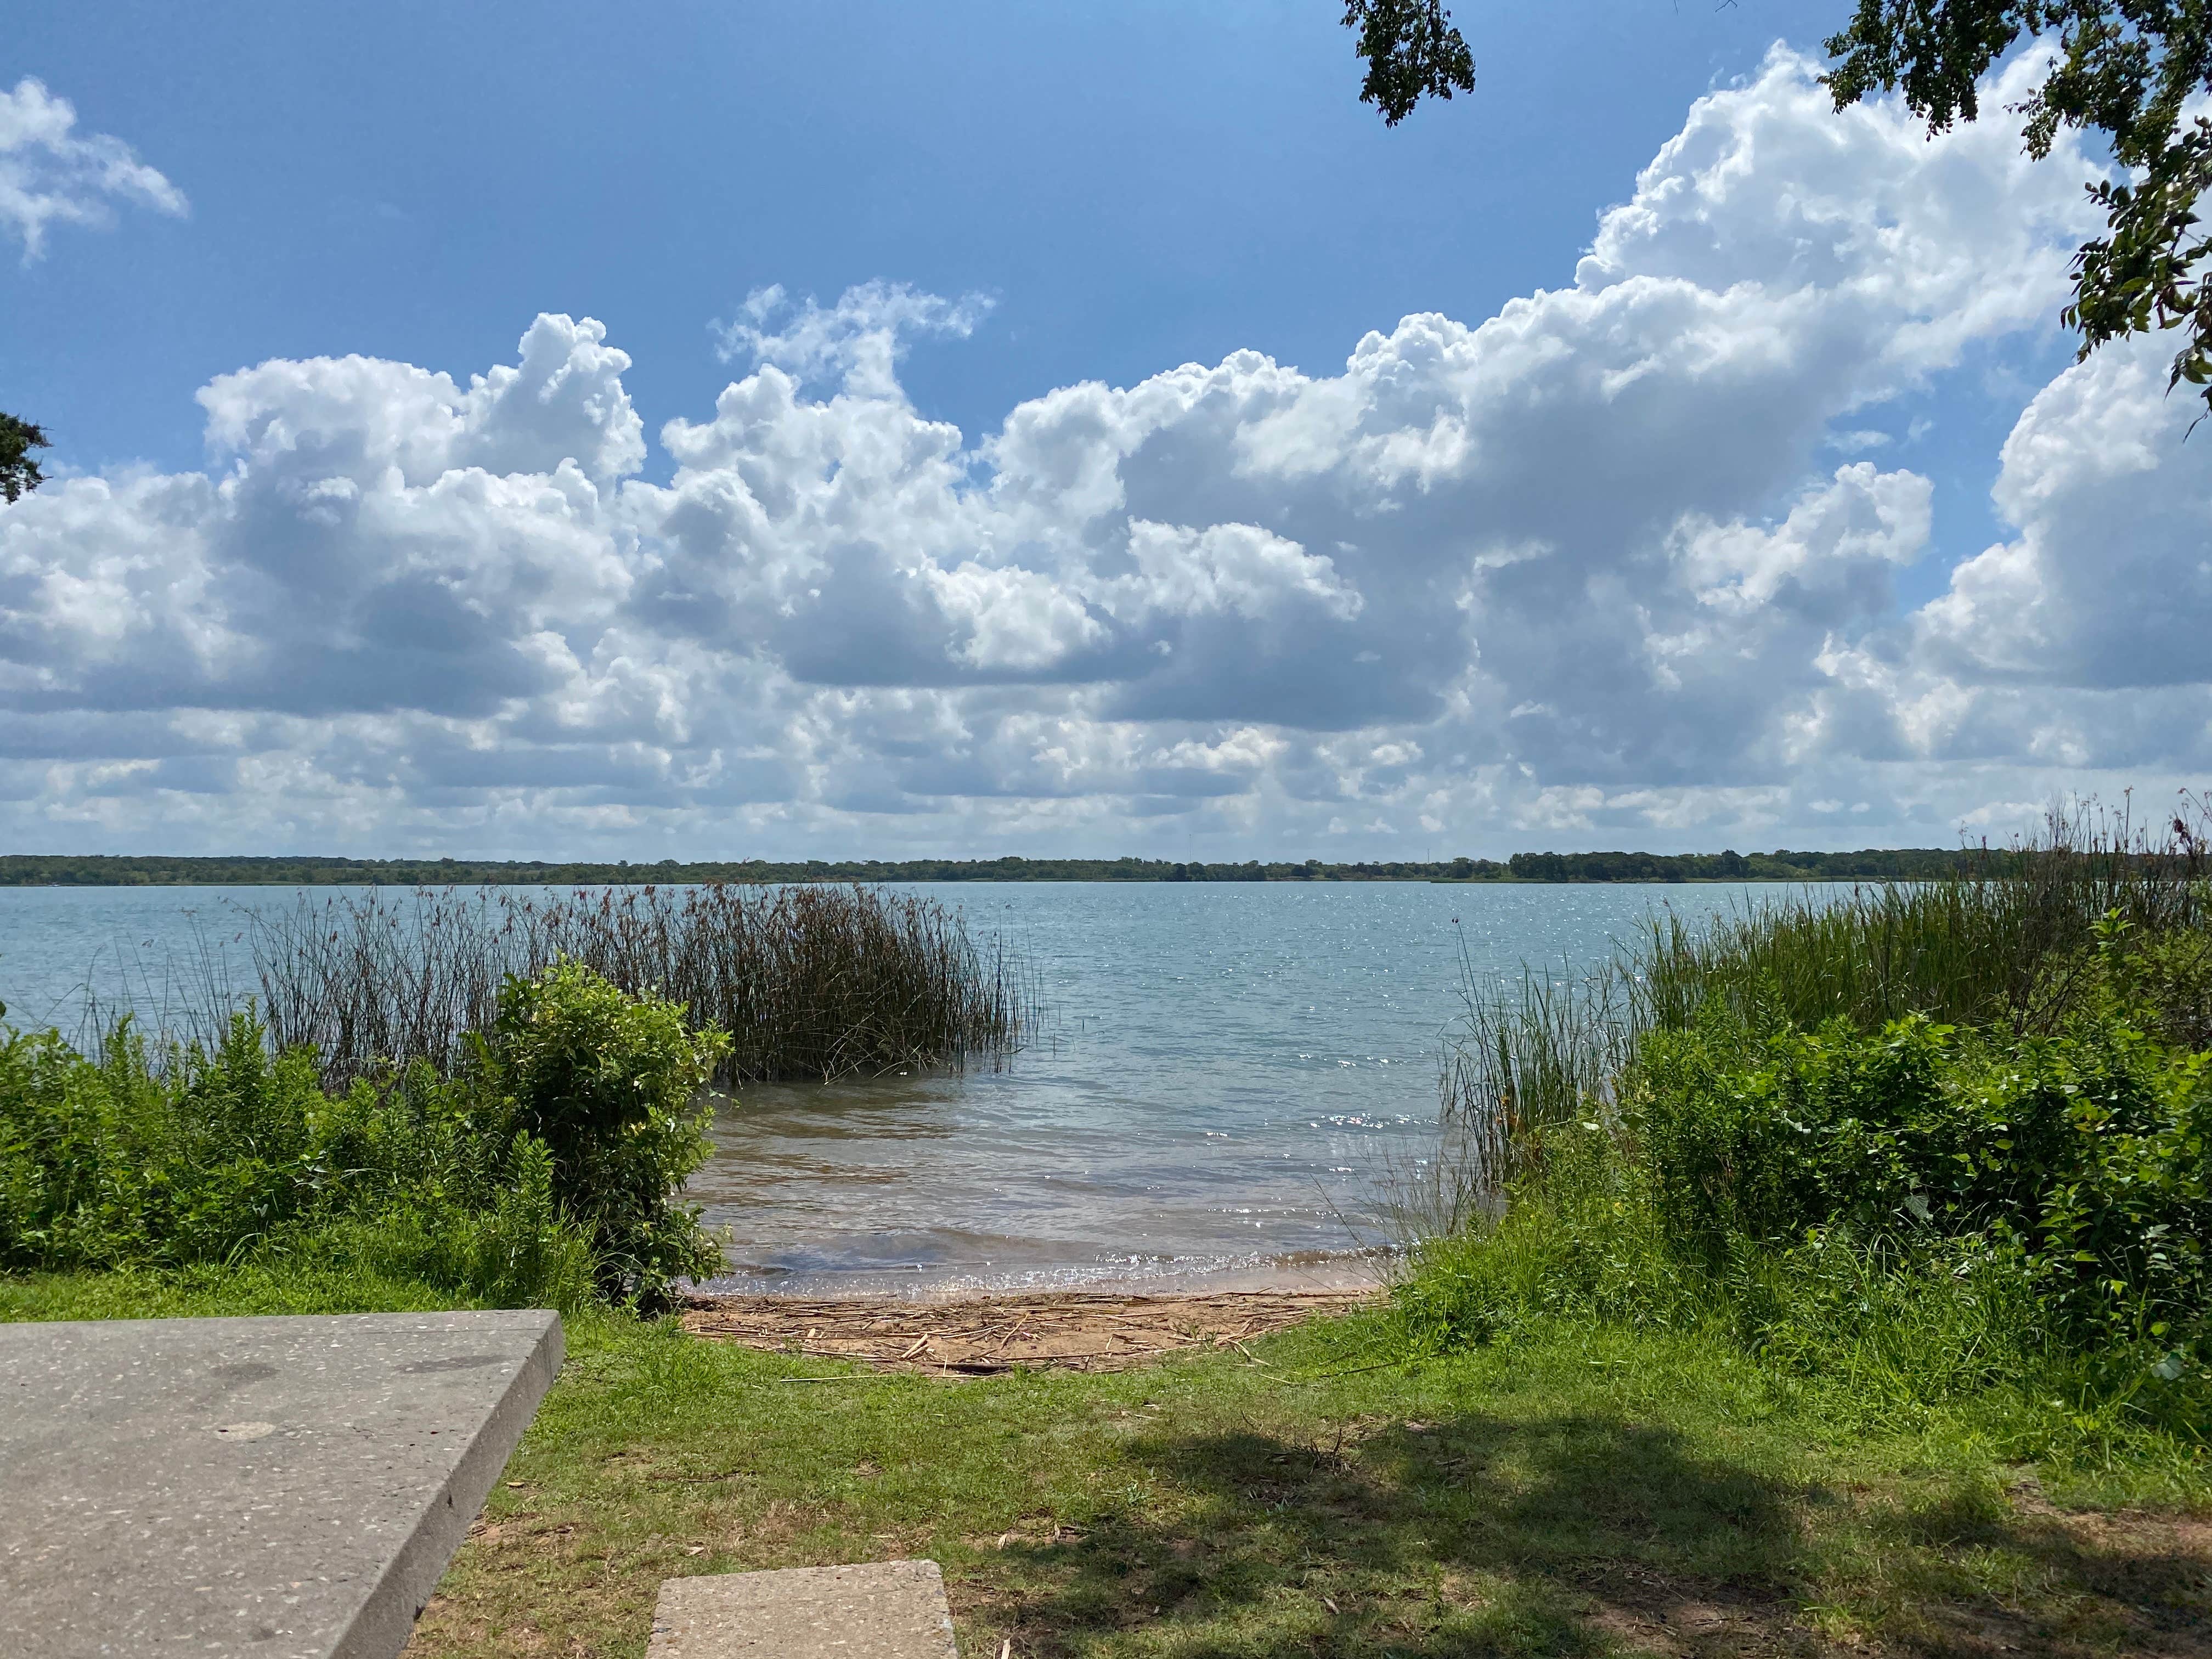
column 882, row 1610
column 285, row 1488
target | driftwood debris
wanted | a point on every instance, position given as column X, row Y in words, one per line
column 1083, row 1331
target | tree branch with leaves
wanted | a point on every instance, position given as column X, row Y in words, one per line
column 2127, row 69
column 1411, row 51
column 19, row 471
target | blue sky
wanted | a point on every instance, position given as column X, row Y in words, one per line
column 1099, row 194
column 1138, row 184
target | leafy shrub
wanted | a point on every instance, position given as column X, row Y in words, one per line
column 106, row 1162
column 543, row 1174
column 2086, row 1150
column 519, row 1249
column 2163, row 982
column 1908, row 1219
column 1913, row 1146
column 609, row 1084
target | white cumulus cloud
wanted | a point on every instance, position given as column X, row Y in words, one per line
column 1586, row 569
column 858, row 341
column 51, row 173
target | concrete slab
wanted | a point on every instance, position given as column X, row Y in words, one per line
column 884, row 1610
column 286, row 1488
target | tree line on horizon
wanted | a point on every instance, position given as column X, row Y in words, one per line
column 1870, row 864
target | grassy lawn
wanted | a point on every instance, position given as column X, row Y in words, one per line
column 1589, row 1492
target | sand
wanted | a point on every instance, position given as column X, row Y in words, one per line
column 1064, row 1330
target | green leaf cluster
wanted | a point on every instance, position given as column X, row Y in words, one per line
column 610, row 1085
column 19, row 468
column 1411, row 51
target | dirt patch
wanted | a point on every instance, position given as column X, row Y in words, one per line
column 1653, row 1613
column 1081, row 1331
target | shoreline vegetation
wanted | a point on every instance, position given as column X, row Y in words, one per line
column 1872, row 864
column 1926, row 1148
column 819, row 982
column 1831, row 1280
column 495, row 1095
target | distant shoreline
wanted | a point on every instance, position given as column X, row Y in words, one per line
column 1870, row 864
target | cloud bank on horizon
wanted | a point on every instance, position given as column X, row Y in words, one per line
column 1584, row 572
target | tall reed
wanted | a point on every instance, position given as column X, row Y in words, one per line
column 822, row 982
column 1523, row 1056
column 1989, row 947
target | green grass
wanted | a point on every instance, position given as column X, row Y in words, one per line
column 1579, row 1490
column 213, row 1292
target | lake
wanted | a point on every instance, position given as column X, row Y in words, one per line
column 1226, row 1074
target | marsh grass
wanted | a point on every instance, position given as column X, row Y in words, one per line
column 2007, row 945
column 1989, row 948
column 807, row 981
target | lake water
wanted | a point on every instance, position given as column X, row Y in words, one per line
column 1227, row 1074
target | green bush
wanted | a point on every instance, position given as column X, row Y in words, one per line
column 610, row 1083
column 108, row 1162
column 2085, row 1151
column 2013, row 1221
column 2163, row 982
column 541, row 1176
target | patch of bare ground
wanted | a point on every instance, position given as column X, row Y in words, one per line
column 1648, row 1612
column 2126, row 1580
column 1081, row 1331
